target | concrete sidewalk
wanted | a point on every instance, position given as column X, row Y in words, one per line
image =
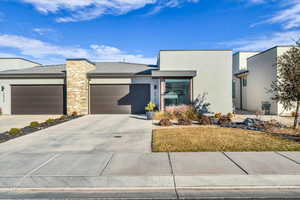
column 148, row 170
column 149, row 175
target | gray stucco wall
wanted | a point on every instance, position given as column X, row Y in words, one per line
column 15, row 63
column 214, row 74
column 262, row 71
column 5, row 96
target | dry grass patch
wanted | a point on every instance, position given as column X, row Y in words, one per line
column 218, row 139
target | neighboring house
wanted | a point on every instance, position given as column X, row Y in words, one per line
column 120, row 88
column 256, row 82
column 240, row 72
column 16, row 63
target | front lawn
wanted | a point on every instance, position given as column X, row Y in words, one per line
column 210, row 139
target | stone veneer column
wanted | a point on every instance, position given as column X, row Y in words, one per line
column 78, row 85
column 162, row 93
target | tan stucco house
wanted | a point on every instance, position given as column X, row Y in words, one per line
column 87, row 87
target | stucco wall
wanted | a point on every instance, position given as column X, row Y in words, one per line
column 214, row 74
column 262, row 71
column 5, row 97
column 15, row 63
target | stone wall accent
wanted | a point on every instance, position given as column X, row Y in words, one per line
column 78, row 85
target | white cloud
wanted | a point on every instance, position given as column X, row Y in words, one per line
column 42, row 31
column 289, row 16
column 264, row 42
column 81, row 10
column 46, row 52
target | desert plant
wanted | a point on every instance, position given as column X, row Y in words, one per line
column 165, row 122
column 230, row 115
column 201, row 104
column 177, row 109
column 204, row 120
column 34, row 124
column 224, row 120
column 50, row 121
column 63, row 117
column 184, row 121
column 191, row 113
column 74, row 113
column 14, row 131
column 218, row 115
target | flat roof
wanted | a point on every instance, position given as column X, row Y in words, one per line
column 196, row 50
column 20, row 59
column 174, row 73
column 278, row 46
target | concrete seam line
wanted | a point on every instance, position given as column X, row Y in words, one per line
column 87, row 189
column 287, row 157
column 173, row 176
column 239, row 187
column 108, row 162
column 37, row 168
column 235, row 163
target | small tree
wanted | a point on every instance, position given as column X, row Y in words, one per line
column 286, row 88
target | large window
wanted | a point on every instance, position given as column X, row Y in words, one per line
column 177, row 92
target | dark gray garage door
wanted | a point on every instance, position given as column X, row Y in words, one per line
column 37, row 99
column 119, row 99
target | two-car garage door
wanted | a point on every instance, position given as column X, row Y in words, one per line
column 119, row 99
column 37, row 99
column 104, row 99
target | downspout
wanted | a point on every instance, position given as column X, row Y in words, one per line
column 241, row 93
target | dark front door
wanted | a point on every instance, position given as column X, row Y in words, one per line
column 119, row 99
column 37, row 99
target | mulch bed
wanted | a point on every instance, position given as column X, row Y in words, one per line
column 6, row 136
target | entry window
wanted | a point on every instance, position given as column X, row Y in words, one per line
column 177, row 92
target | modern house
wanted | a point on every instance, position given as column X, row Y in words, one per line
column 254, row 73
column 86, row 87
column 16, row 63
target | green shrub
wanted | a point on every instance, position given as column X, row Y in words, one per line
column 34, row 124
column 50, row 121
column 14, row 131
column 63, row 117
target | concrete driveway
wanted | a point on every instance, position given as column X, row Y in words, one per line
column 19, row 121
column 104, row 133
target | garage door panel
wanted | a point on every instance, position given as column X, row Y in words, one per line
column 119, row 99
column 37, row 99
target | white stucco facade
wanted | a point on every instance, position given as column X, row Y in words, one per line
column 240, row 64
column 15, row 63
column 214, row 74
column 262, row 72
column 5, row 95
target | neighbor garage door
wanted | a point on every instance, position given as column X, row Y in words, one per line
column 119, row 99
column 37, row 99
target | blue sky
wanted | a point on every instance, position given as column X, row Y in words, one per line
column 48, row 31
